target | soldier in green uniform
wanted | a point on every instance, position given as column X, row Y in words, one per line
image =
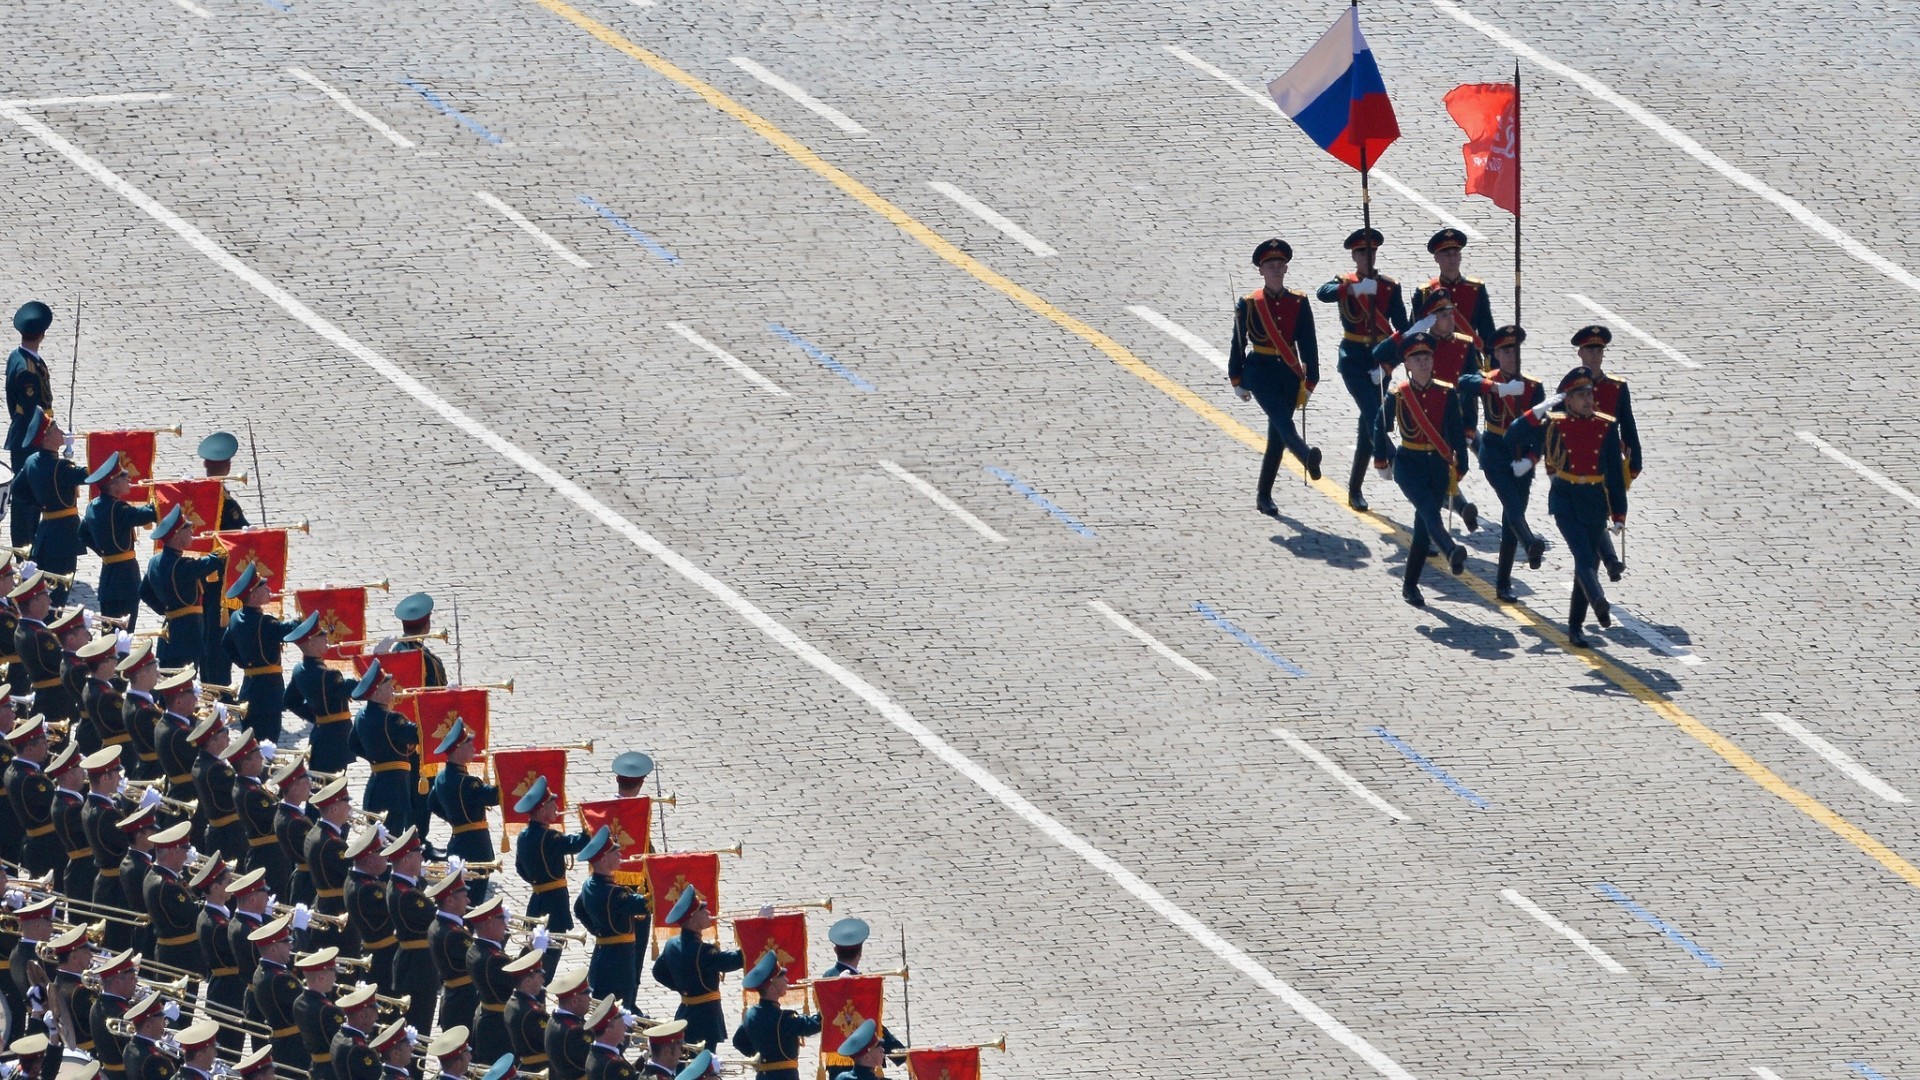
column 197, row 1049
column 767, row 1029
column 450, row 1049
column 352, row 1052
column 36, row 644
column 249, row 898
column 173, row 739
column 869, row 1054
column 1508, row 396
column 175, row 913
column 322, row 697
column 144, row 1058
column 174, row 587
column 140, row 826
column 395, row 1049
column 99, row 702
column 615, row 915
column 388, row 742
column 410, row 912
column 630, row 772
column 849, row 939
column 253, row 642
column 72, row 956
column 527, row 1011
column 1469, row 295
column 69, row 798
column 1275, row 360
column 55, row 481
column 540, row 858
column 367, row 912
column 693, row 967
column 447, row 943
column 29, row 387
column 16, row 675
column 703, row 1066
column 461, row 800
column 216, row 459
column 1371, row 308
column 567, row 1042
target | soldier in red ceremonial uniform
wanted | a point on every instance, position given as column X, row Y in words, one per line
column 1469, row 294
column 1610, row 396
column 1580, row 449
column 1430, row 460
column 1276, row 361
column 1454, row 355
column 1508, row 395
column 1371, row 310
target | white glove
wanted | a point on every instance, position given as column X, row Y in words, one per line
column 51, row 1019
column 16, row 898
column 1378, row 374
column 66, row 447
column 1553, row 401
column 267, row 749
column 385, row 836
column 1400, row 378
column 150, row 797
column 1512, row 389
column 766, row 911
column 456, row 865
column 1522, row 466
column 413, row 1034
column 1618, row 528
column 1423, row 325
column 385, row 645
column 27, row 569
column 87, row 616
column 302, row 918
column 1244, row 393
column 122, row 643
column 1385, row 471
column 1366, row 287
column 193, row 855
column 271, row 900
column 171, row 1010
column 36, row 997
column 539, row 941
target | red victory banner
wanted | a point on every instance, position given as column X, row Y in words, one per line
column 1489, row 114
column 783, row 934
column 343, row 615
column 263, row 549
column 136, row 449
column 670, row 873
column 515, row 771
column 844, row 1003
column 407, row 666
column 200, row 502
column 944, row 1063
column 628, row 820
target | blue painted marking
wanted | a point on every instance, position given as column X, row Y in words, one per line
column 1867, row 1070
column 821, row 357
column 1421, row 762
column 1266, row 653
column 1021, row 487
column 439, row 103
column 279, row 7
column 636, row 235
column 1613, row 893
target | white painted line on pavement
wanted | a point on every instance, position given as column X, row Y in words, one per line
column 1641, row 629
column 752, row 614
column 940, row 500
column 1613, row 317
column 1216, row 357
column 1345, row 778
column 1579, row 940
column 994, row 218
column 728, row 359
column 88, row 99
column 192, row 8
column 1765, row 1074
column 1133, row 630
column 1878, row 480
column 1273, row 106
column 1820, row 226
column 353, row 110
column 834, row 116
column 531, row 229
column 1836, row 757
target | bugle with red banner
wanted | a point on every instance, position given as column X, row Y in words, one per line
column 407, row 666
column 515, row 771
column 136, row 450
column 436, row 711
column 199, row 502
column 628, row 820
column 670, row 873
column 948, row 1062
column 844, row 1003
column 263, row 549
column 343, row 615
column 783, row 933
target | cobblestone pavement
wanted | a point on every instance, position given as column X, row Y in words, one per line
column 1119, row 860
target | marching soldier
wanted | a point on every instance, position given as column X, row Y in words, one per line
column 55, row 481
column 1610, row 398
column 448, row 942
column 1275, row 360
column 253, row 642
column 216, row 460
column 387, row 740
column 411, row 912
column 366, row 896
column 291, row 824
column 692, row 967
column 213, row 781
column 119, row 978
column 462, row 800
column 225, row 987
column 35, row 923
column 540, row 858
column 527, row 1011
column 1453, row 355
column 1371, row 308
column 328, row 863
column 31, row 794
column 614, row 914
column 70, row 629
column 274, row 989
column 100, row 715
column 606, row 1059
column 486, row 963
column 630, row 772
column 849, row 938
column 416, row 621
column 450, row 1049
column 772, row 1032
column 566, row 1041
column 868, row 1054
column 1469, row 295
column 1428, row 464
column 69, row 783
column 353, row 1056
column 175, row 915
column 1508, row 396
column 255, row 805
column 174, row 587
column 322, row 697
column 314, row 1012
column 140, row 709
column 29, row 387
column 1580, row 449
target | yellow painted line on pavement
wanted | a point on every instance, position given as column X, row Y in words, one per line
column 1119, row 354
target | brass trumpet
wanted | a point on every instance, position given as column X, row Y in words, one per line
column 575, row 937
column 174, row 430
column 108, row 912
column 330, row 920
column 109, row 620
column 897, row 973
column 209, row 689
column 440, row 868
column 507, row 686
column 998, row 1044
column 586, row 746
column 64, row 579
column 397, row 1004
column 237, row 478
column 437, row 635
column 824, row 903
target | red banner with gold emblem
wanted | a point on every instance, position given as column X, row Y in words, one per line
column 671, row 872
column 407, row 666
column 200, row 502
column 435, row 712
column 944, row 1063
column 136, row 449
column 343, row 615
column 264, row 549
column 845, row 1003
column 515, row 771
column 629, row 820
column 784, row 933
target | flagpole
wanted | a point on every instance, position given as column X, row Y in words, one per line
column 1517, row 202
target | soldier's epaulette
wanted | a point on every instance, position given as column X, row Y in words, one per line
column 1604, row 416
column 1463, row 337
column 1473, row 281
column 1440, row 382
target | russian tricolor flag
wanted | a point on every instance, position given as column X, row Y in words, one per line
column 1337, row 97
